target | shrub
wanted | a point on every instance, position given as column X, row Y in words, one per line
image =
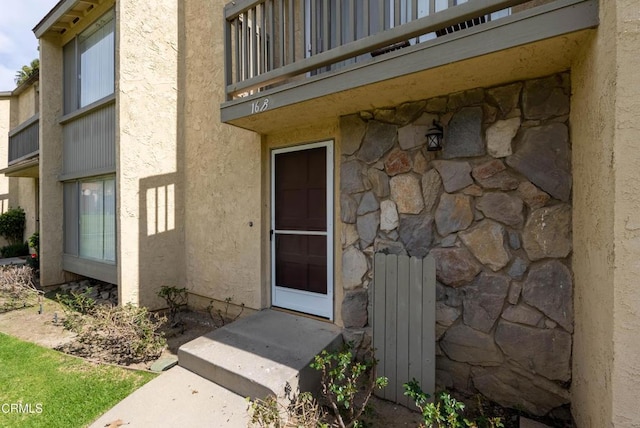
column 17, row 288
column 14, row 250
column 122, row 334
column 302, row 411
column 347, row 383
column 34, row 260
column 446, row 411
column 12, row 225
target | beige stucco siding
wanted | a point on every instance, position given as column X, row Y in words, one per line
column 223, row 206
column 5, row 126
column 51, row 196
column 23, row 193
column 626, row 351
column 26, row 104
column 606, row 224
column 149, row 183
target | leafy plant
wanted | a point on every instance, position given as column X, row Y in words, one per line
column 34, row 260
column 347, row 383
column 14, row 250
column 176, row 299
column 222, row 316
column 446, row 412
column 12, row 225
column 27, row 71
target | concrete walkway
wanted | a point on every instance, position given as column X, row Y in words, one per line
column 256, row 356
column 12, row 261
column 178, row 398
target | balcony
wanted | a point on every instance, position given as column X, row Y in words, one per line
column 290, row 62
column 23, row 149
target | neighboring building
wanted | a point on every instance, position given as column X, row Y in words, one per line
column 20, row 183
column 529, row 209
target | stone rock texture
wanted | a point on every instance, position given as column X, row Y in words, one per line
column 378, row 140
column 483, row 301
column 354, row 308
column 416, row 233
column 379, row 182
column 512, row 387
column 549, row 287
column 543, row 155
column 455, row 266
column 455, row 175
column 348, row 208
column 354, row 267
column 545, row 351
column 453, row 213
column 431, row 187
column 464, row 135
column 486, row 242
column 465, row 344
column 367, row 226
column 504, row 207
column 406, row 193
column 368, row 204
column 493, row 208
column 351, row 174
column 548, row 232
column 397, row 162
column 500, row 135
column 352, row 129
column 388, row 216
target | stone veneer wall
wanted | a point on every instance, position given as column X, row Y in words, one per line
column 494, row 210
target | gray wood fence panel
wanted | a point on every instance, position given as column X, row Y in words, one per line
column 391, row 322
column 89, row 142
column 402, row 342
column 404, row 323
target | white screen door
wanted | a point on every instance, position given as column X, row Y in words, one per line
column 302, row 228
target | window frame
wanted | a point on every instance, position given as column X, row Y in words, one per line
column 72, row 60
column 73, row 239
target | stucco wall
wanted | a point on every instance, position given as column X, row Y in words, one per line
column 5, row 126
column 626, row 350
column 223, row 207
column 26, row 104
column 149, row 182
column 51, row 197
column 606, row 362
column 23, row 193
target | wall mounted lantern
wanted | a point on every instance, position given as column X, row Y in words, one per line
column 434, row 137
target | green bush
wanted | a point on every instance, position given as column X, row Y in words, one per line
column 14, row 250
column 34, row 260
column 12, row 225
column 445, row 411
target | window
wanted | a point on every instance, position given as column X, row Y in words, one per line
column 89, row 64
column 90, row 222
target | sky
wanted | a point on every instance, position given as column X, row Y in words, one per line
column 18, row 45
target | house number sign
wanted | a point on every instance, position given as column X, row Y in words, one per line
column 259, row 106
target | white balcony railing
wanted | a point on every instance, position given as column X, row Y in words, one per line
column 268, row 42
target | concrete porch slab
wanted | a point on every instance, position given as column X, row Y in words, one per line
column 261, row 354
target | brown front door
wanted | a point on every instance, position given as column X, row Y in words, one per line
column 302, row 229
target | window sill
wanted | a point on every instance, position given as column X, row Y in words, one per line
column 96, row 105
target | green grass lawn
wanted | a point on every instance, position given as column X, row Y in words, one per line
column 50, row 389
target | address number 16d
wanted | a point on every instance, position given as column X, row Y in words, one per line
column 259, row 106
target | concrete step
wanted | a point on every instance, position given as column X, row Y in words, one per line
column 262, row 354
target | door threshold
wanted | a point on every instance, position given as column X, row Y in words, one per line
column 302, row 314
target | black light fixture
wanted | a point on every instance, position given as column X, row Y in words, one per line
column 434, row 137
